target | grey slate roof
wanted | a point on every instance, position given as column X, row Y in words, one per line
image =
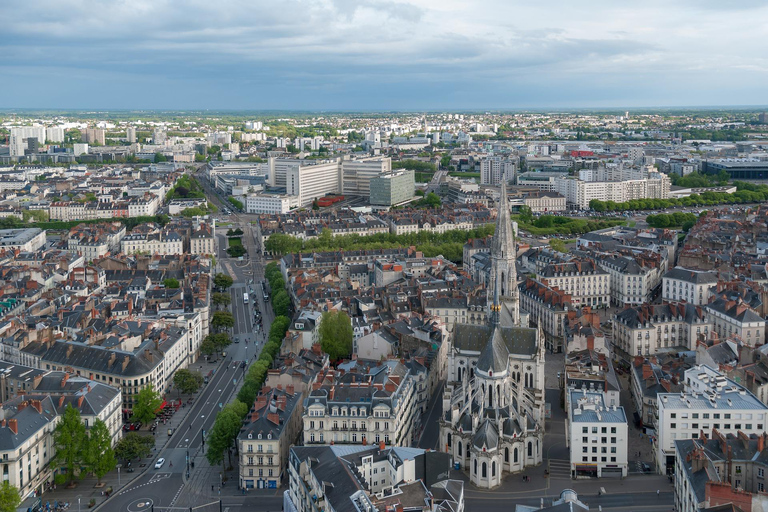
column 518, row 340
column 495, row 355
column 691, row 276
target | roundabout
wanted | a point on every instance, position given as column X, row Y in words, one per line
column 140, row 505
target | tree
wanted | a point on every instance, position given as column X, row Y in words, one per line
column 281, row 303
column 35, row 215
column 336, row 334
column 526, row 215
column 222, row 320
column 208, row 346
column 148, row 401
column 134, row 446
column 222, row 281
column 224, row 431
column 187, row 381
column 215, row 343
column 221, row 299
column 9, row 497
column 171, row 283
column 101, row 456
column 159, row 157
column 236, row 203
column 557, row 245
column 70, row 440
column 235, row 251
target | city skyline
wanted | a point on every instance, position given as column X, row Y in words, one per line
column 405, row 56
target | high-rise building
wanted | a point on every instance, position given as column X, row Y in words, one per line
column 54, row 134
column 94, row 135
column 356, row 175
column 392, row 188
column 310, row 182
column 130, row 134
column 495, row 169
column 159, row 137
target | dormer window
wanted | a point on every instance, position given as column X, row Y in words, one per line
column 259, row 436
column 269, row 436
column 250, row 436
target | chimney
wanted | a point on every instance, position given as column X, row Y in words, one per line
column 37, row 405
column 70, row 349
column 80, row 401
column 332, row 393
column 13, row 425
column 2, row 422
column 761, row 442
column 22, row 405
column 61, row 401
column 744, row 438
column 273, row 417
column 390, row 386
column 382, row 446
column 112, row 359
column 126, row 359
column 36, row 381
column 289, row 389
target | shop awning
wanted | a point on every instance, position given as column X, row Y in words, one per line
column 162, row 406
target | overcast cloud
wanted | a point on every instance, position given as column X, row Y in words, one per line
column 381, row 54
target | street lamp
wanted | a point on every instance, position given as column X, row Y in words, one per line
column 118, row 476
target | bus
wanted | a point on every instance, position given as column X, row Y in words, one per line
column 245, row 298
column 265, row 291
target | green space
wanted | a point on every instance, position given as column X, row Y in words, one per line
column 560, row 225
column 185, row 187
column 130, row 222
column 416, row 165
column 235, row 248
column 465, row 174
column 697, row 179
column 450, row 244
column 423, row 177
column 676, row 220
column 746, row 193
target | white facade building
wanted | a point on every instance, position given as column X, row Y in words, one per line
column 267, row 203
column 710, row 401
column 597, row 436
column 691, row 286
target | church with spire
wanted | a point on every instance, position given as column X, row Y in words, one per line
column 493, row 403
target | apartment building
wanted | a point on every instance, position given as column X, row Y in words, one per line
column 160, row 242
column 268, row 203
column 28, row 422
column 140, row 360
column 270, row 429
column 94, row 135
column 630, row 283
column 583, row 280
column 548, row 308
column 377, row 407
column 494, row 169
column 23, row 239
column 202, row 241
column 735, row 317
column 597, row 436
column 649, row 329
column 545, row 202
column 579, row 192
column 692, row 286
column 720, row 471
column 710, row 401
column 372, row 479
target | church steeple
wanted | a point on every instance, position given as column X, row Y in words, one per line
column 503, row 278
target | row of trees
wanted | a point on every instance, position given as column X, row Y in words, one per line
column 225, row 429
column 281, row 302
column 449, row 244
column 78, row 448
column 416, row 165
column 671, row 220
column 697, row 179
column 746, row 193
column 559, row 225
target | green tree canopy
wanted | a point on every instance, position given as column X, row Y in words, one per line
column 557, row 245
column 222, row 281
column 101, row 456
column 222, row 320
column 70, row 440
column 134, row 446
column 148, row 401
column 9, row 497
column 221, row 299
column 224, row 431
column 336, row 334
column 235, row 251
column 281, row 303
column 171, row 283
column 187, row 381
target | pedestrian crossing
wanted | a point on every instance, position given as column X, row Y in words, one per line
column 559, row 468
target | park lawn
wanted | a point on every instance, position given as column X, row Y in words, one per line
column 464, row 174
column 235, row 241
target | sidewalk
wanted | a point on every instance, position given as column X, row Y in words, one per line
column 86, row 487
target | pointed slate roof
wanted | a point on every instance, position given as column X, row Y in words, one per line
column 495, row 355
column 486, row 436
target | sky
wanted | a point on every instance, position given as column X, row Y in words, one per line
column 382, row 54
